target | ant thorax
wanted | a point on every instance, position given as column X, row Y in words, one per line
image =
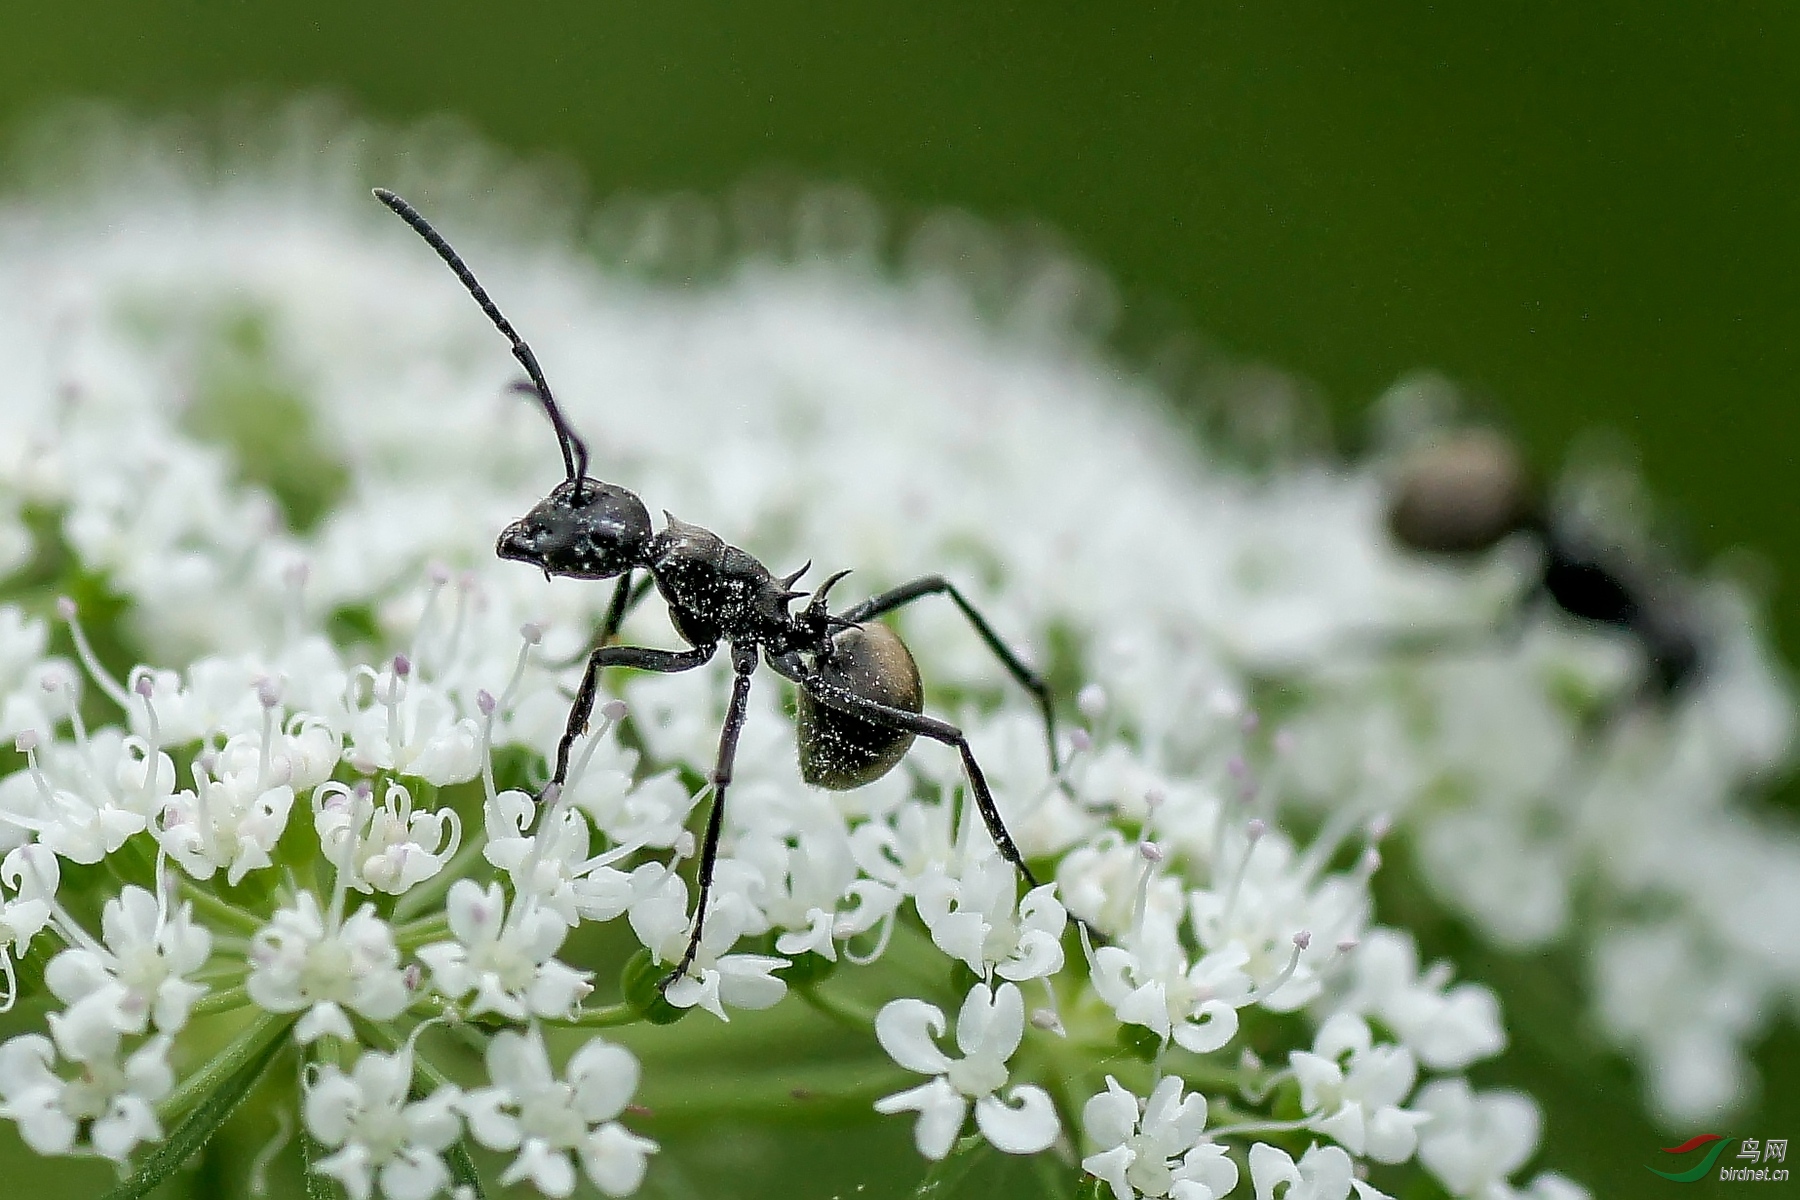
column 717, row 592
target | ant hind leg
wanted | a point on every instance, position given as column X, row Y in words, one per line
column 933, row 585
column 833, row 696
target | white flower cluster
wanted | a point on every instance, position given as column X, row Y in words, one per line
column 96, row 1083
column 813, row 411
column 810, row 413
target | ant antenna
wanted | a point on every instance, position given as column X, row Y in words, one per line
column 574, row 450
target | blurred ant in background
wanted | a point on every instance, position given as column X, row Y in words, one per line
column 1462, row 492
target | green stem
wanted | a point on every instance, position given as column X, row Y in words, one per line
column 219, row 910
column 245, row 1062
column 375, row 1035
column 1246, row 1127
column 378, row 1037
column 429, row 894
column 598, row 1018
column 434, row 928
column 824, row 1096
column 318, row 1187
column 843, row 1011
column 255, row 1038
column 225, row 1001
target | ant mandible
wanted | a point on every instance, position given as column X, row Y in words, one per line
column 860, row 701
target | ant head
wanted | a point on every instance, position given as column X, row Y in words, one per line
column 584, row 529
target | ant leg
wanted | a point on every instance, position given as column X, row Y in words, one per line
column 833, row 696
column 626, row 596
column 574, row 450
column 643, row 659
column 743, row 665
column 932, row 585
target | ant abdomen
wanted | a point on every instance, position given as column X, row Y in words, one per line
column 1460, row 495
column 840, row 751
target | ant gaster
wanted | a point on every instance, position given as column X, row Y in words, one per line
column 859, row 701
column 1467, row 491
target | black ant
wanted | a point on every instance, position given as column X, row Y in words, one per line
column 1464, row 492
column 860, row 700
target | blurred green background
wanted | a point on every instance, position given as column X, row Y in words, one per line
column 1586, row 214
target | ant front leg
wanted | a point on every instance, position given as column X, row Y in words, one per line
column 628, row 593
column 832, row 696
column 640, row 657
column 932, row 585
column 743, row 665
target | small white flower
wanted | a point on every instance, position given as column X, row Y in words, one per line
column 31, row 873
column 975, row 918
column 648, row 811
column 398, row 847
column 1551, row 1186
column 1447, row 1028
column 140, row 976
column 32, row 1094
column 715, row 978
column 551, row 1122
column 412, row 727
column 807, row 877
column 67, row 796
column 1474, row 1141
column 508, row 962
column 234, row 815
column 1150, row 983
column 1323, row 1173
column 552, row 864
column 113, row 1100
column 988, row 1031
column 366, row 1118
column 306, row 959
column 1260, row 909
column 903, row 849
column 1158, row 1151
column 1099, row 883
column 1358, row 1106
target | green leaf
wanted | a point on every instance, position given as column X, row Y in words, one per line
column 462, row 1169
column 236, row 1069
column 949, row 1171
column 266, row 1027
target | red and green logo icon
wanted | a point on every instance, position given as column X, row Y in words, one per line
column 1716, row 1143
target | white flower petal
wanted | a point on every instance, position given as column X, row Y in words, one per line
column 906, row 1029
column 1024, row 1125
